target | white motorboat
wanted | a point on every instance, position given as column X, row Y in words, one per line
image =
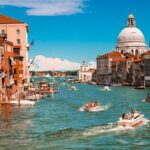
column 91, row 109
column 131, row 119
column 93, row 106
column 22, row 102
column 106, row 88
column 64, row 84
column 47, row 76
column 73, row 88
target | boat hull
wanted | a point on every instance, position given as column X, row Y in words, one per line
column 132, row 122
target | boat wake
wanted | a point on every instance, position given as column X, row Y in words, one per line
column 102, row 108
column 104, row 130
column 143, row 100
column 111, row 128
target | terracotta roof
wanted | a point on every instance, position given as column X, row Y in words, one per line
column 118, row 59
column 146, row 53
column 111, row 55
column 8, row 20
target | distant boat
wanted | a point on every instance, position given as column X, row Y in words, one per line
column 106, row 88
column 22, row 102
column 140, row 87
column 47, row 76
column 92, row 106
column 73, row 88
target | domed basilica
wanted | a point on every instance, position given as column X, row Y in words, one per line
column 131, row 39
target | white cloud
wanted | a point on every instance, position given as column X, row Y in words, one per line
column 48, row 7
column 92, row 64
column 42, row 63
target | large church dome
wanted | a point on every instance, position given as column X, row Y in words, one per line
column 131, row 38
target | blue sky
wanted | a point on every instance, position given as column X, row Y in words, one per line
column 76, row 29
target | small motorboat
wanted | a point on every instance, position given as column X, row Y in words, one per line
column 140, row 87
column 64, row 84
column 91, row 107
column 106, row 88
column 22, row 102
column 148, row 98
column 132, row 119
column 73, row 88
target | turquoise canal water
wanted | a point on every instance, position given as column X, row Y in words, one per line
column 57, row 124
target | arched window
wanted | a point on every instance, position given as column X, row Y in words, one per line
column 84, row 77
column 136, row 52
column 132, row 52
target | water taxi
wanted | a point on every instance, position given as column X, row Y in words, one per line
column 132, row 119
column 92, row 106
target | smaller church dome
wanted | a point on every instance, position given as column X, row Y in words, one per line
column 131, row 16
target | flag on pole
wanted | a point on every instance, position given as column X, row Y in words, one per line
column 31, row 43
column 31, row 62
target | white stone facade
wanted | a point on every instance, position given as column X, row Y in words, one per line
column 85, row 74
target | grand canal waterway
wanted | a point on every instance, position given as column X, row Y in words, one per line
column 57, row 124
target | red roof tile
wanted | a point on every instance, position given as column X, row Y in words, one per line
column 8, row 20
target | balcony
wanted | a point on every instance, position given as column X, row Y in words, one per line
column 3, row 35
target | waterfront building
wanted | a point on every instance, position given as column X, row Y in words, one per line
column 104, row 66
column 85, row 73
column 6, row 67
column 17, row 33
column 136, row 72
column 146, row 65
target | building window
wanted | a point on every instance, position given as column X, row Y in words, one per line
column 18, row 41
column 84, row 77
column 15, row 71
column 132, row 52
column 18, row 31
column 15, row 82
column 136, row 52
column 3, row 31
